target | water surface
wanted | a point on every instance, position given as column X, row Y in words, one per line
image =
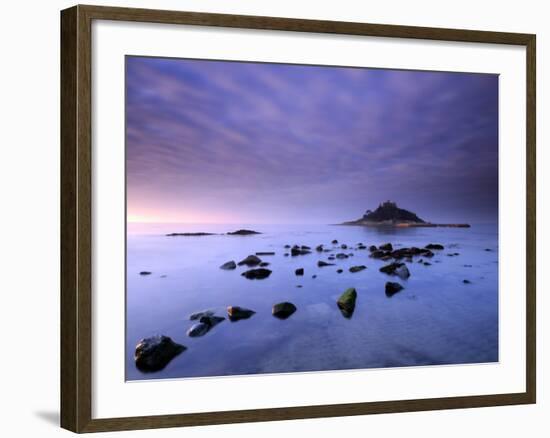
column 436, row 320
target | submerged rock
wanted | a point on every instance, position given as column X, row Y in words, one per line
column 346, row 302
column 145, row 273
column 399, row 269
column 235, row 313
column 299, row 271
column 257, row 274
column 357, row 268
column 243, row 232
column 321, row 263
column 199, row 315
column 434, row 246
column 229, row 265
column 283, row 310
column 154, row 353
column 386, row 247
column 206, row 322
column 392, row 288
column 251, row 260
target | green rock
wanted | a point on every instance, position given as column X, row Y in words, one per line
column 346, row 302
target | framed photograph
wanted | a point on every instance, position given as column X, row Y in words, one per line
column 269, row 218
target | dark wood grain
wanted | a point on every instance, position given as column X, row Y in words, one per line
column 76, row 219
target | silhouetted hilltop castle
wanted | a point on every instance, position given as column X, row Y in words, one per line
column 389, row 214
column 389, row 211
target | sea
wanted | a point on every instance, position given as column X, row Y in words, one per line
column 438, row 319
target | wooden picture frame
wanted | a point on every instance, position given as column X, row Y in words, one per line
column 76, row 217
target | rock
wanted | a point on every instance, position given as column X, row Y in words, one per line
column 199, row 329
column 420, row 261
column 427, row 264
column 286, row 254
column 299, row 286
column 314, row 276
column 287, row 246
column 206, row 322
column 344, row 246
column 392, row 288
column 264, row 264
column 361, row 247
column 373, row 248
column 199, row 315
column 265, row 253
column 467, row 266
column 145, row 273
column 350, row 254
column 346, row 302
column 428, row 254
column 307, row 248
column 378, row 254
column 243, row 233
column 154, row 353
column 488, row 249
column 299, row 271
column 319, row 248
column 386, row 247
column 359, row 268
column 399, row 269
column 295, row 251
column 332, row 257
column 466, row 281
column 321, row 263
column 335, row 242
column 235, row 313
column 434, row 246
column 229, row 265
column 257, row 274
column 190, row 234
column 283, row 310
column 339, row 271
column 251, row 260
column 341, row 256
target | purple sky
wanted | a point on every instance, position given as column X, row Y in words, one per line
column 232, row 142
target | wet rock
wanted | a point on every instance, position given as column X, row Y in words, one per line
column 335, row 242
column 299, row 271
column 204, row 325
column 243, row 232
column 251, row 260
column 359, row 268
column 283, row 310
column 341, row 256
column 321, row 263
column 434, row 246
column 229, row 265
column 339, row 271
column 399, row 269
column 235, row 313
column 199, row 315
column 386, row 247
column 319, row 248
column 265, row 253
column 145, row 273
column 296, row 251
column 257, row 274
column 346, row 302
column 392, row 288
column 154, row 353
column 373, row 248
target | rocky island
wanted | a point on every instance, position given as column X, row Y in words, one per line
column 389, row 214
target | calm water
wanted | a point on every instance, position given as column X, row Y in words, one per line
column 435, row 320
